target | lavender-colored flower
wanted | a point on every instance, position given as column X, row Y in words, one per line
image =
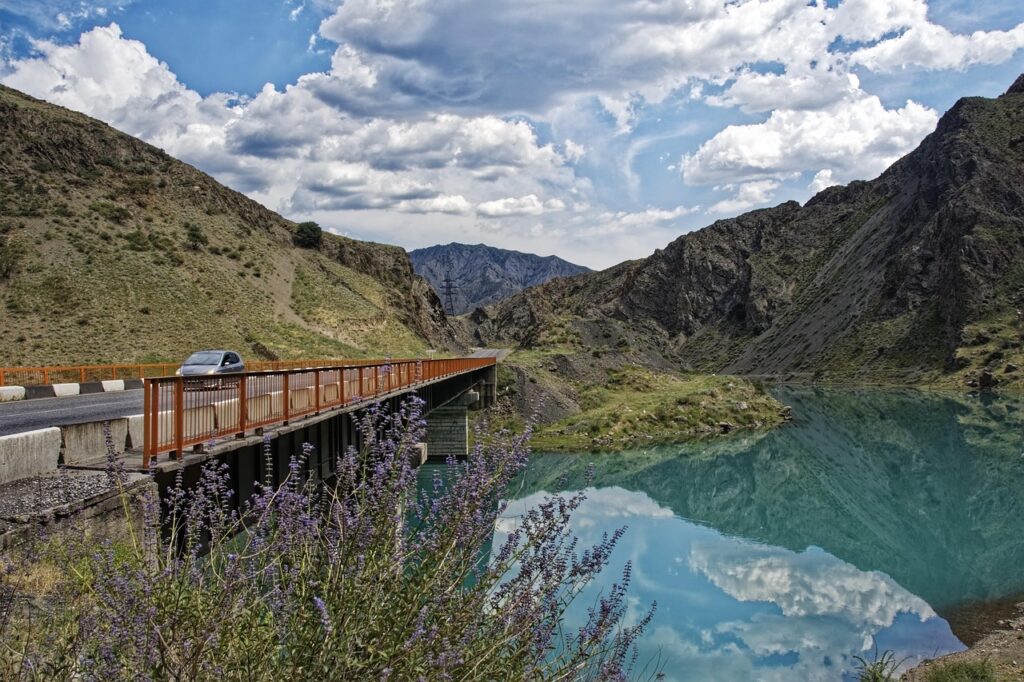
column 372, row 576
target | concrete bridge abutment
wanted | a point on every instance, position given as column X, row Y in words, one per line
column 448, row 427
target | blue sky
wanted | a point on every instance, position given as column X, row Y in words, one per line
column 595, row 130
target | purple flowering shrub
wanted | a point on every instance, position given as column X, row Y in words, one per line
column 374, row 577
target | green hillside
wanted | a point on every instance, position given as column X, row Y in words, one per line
column 111, row 250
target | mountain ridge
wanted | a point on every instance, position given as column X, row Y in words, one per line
column 911, row 276
column 483, row 274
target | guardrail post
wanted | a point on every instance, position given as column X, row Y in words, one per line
column 243, row 404
column 376, row 381
column 179, row 418
column 286, row 398
column 361, row 387
column 316, row 391
column 341, row 387
column 147, row 410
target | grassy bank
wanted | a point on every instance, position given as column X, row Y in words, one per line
column 621, row 406
column 636, row 407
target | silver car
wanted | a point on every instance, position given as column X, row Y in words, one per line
column 207, row 362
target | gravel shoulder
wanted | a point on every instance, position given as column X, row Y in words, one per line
column 30, row 496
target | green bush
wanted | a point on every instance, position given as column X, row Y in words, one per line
column 110, row 211
column 195, row 238
column 308, row 235
column 11, row 253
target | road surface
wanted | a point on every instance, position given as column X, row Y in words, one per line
column 499, row 353
column 28, row 415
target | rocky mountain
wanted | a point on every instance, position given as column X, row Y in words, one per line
column 111, row 250
column 917, row 275
column 483, row 274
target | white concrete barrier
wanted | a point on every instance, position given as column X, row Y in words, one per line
column 88, row 441
column 330, row 393
column 228, row 414
column 29, row 454
column 199, row 422
column 61, row 390
column 136, row 430
column 301, row 398
column 113, row 385
column 263, row 407
column 8, row 393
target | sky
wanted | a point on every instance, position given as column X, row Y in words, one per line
column 596, row 130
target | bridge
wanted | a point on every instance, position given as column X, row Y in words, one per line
column 185, row 421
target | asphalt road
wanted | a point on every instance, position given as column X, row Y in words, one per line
column 499, row 353
column 28, row 415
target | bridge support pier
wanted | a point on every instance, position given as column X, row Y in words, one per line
column 448, row 427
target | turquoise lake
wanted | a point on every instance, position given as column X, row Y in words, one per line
column 875, row 520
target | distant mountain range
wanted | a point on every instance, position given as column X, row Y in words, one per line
column 915, row 276
column 483, row 274
column 112, row 251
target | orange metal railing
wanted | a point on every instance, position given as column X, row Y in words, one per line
column 35, row 376
column 181, row 412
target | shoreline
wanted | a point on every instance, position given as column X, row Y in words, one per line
column 1000, row 644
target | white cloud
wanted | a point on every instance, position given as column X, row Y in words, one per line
column 573, row 151
column 810, row 89
column 116, row 80
column 934, row 47
column 747, row 195
column 866, row 20
column 822, row 179
column 856, row 139
column 451, row 205
column 511, row 206
column 615, row 222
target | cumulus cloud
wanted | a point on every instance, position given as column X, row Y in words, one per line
column 934, row 47
column 747, row 195
column 821, row 180
column 291, row 143
column 855, row 138
column 512, row 206
column 116, row 80
column 451, row 205
column 618, row 221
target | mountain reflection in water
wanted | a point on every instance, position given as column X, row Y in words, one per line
column 784, row 555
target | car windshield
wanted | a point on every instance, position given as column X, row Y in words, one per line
column 203, row 358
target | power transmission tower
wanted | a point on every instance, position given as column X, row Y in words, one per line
column 448, row 290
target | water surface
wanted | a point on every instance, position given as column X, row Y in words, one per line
column 866, row 523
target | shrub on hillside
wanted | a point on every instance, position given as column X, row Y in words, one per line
column 111, row 211
column 308, row 235
column 195, row 238
column 378, row 577
column 11, row 253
